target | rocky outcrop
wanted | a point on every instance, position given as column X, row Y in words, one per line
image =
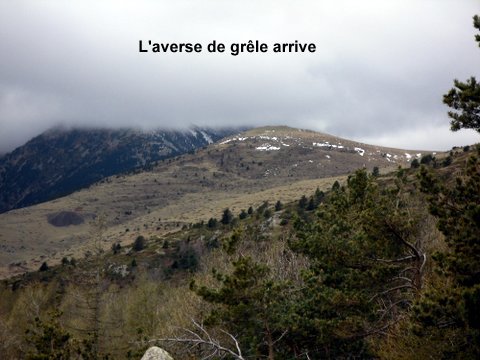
column 156, row 353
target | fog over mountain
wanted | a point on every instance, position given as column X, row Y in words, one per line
column 378, row 75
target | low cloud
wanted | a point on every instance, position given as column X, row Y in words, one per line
column 379, row 71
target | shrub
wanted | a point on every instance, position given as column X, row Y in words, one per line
column 212, row 223
column 426, row 159
column 415, row 164
column 243, row 215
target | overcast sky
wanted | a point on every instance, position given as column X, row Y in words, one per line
column 378, row 75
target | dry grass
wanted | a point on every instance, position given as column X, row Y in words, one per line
column 184, row 190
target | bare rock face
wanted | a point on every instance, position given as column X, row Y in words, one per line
column 156, row 353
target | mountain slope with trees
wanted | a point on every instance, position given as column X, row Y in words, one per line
column 362, row 271
column 61, row 161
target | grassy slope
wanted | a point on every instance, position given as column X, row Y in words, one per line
column 186, row 189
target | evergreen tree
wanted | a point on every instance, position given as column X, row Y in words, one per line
column 302, row 203
column 311, row 204
column 212, row 223
column 44, row 266
column 139, row 243
column 250, row 304
column 456, row 305
column 278, row 205
column 49, row 340
column 227, row 217
column 363, row 239
column 243, row 215
column 319, row 196
column 464, row 99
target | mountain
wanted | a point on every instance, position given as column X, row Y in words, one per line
column 261, row 271
column 61, row 161
column 264, row 164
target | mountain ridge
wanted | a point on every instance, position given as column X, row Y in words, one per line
column 61, row 161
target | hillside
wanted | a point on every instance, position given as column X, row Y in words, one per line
column 61, row 161
column 354, row 275
column 266, row 164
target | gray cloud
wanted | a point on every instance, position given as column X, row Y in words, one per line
column 378, row 75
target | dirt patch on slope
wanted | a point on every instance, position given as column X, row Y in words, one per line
column 65, row 218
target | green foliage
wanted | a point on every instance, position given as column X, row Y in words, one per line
column 311, row 204
column 278, row 205
column 139, row 243
column 458, row 211
column 375, row 171
column 227, row 217
column 302, row 203
column 186, row 259
column 464, row 99
column 447, row 161
column 249, row 303
column 44, row 266
column 336, row 186
column 212, row 223
column 426, row 159
column 243, row 215
column 319, row 196
column 230, row 243
column 457, row 208
column 359, row 248
column 50, row 341
column 354, row 249
column 415, row 164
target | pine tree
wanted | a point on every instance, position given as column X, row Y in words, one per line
column 227, row 217
column 249, row 303
column 359, row 250
column 278, row 205
column 456, row 305
column 212, row 223
column 464, row 99
column 302, row 203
